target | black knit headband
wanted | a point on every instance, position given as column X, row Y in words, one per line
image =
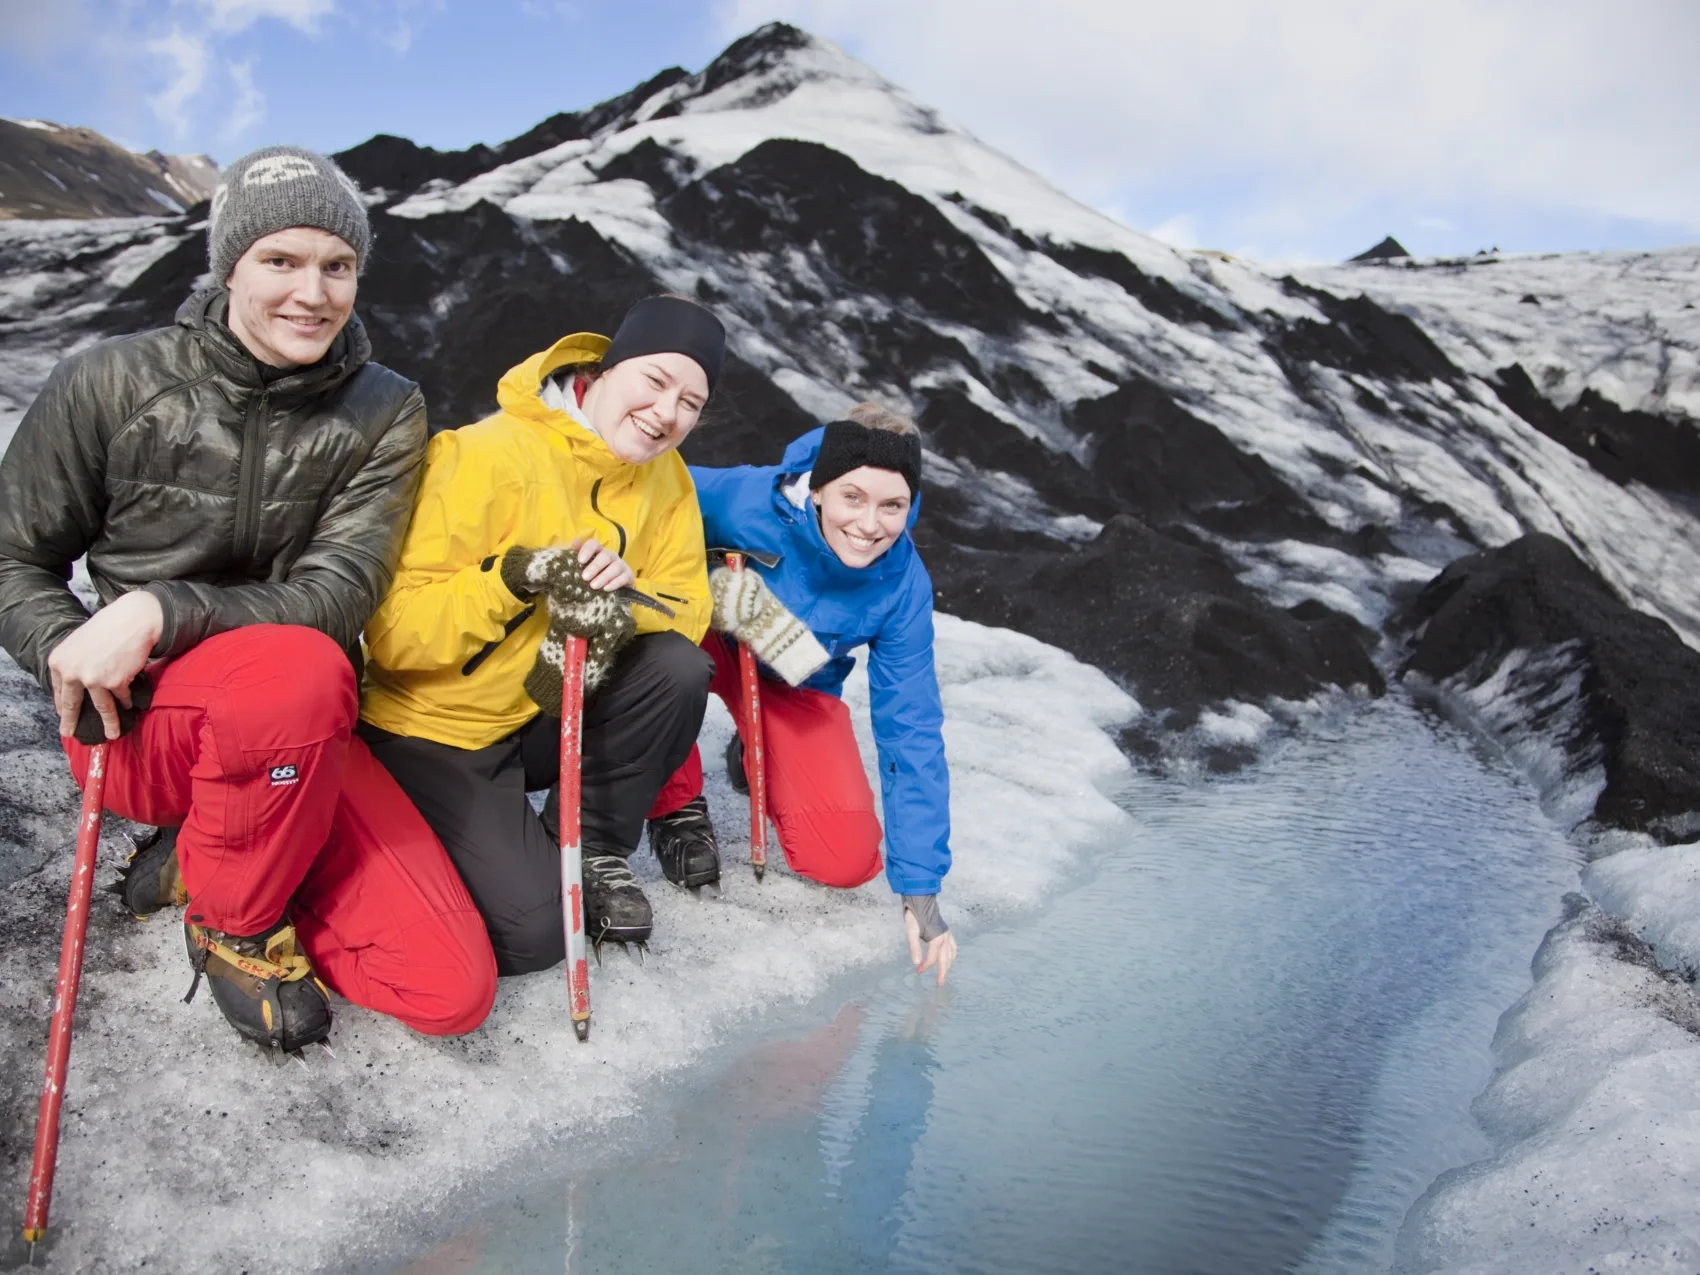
column 670, row 325
column 847, row 445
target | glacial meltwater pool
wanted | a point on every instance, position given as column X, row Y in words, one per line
column 1244, row 1041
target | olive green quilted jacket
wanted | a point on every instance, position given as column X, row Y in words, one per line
column 176, row 466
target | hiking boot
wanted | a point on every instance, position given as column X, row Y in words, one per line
column 684, row 845
column 264, row 985
column 735, row 766
column 149, row 879
column 615, row 908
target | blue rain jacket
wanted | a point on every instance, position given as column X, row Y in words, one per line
column 886, row 606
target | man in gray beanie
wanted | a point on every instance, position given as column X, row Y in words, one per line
column 240, row 483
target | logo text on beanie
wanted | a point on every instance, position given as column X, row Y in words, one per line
column 274, row 170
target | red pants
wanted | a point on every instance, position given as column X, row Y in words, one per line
column 248, row 747
column 817, row 793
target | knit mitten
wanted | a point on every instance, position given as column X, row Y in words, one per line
column 745, row 608
column 555, row 578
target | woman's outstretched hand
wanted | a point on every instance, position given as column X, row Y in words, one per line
column 603, row 568
column 940, row 951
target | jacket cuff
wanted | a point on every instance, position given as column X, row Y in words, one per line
column 166, row 647
column 925, row 909
column 513, row 565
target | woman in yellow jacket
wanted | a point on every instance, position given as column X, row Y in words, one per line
column 579, row 468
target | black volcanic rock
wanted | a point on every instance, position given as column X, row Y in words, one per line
column 1164, row 464
column 570, row 126
column 399, row 166
column 648, row 162
column 865, row 232
column 954, row 425
column 456, row 300
column 1157, row 295
column 1167, row 616
column 1640, row 694
column 749, row 421
column 1386, row 250
column 152, row 298
column 753, row 54
column 394, row 164
column 1625, row 446
column 1359, row 337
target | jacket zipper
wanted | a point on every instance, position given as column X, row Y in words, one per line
column 489, row 648
column 250, row 481
column 595, row 489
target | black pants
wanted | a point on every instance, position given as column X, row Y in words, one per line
column 638, row 729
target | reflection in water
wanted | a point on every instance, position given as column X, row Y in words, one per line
column 868, row 1161
column 1245, row 1043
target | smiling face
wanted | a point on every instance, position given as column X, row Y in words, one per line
column 645, row 406
column 863, row 512
column 290, row 294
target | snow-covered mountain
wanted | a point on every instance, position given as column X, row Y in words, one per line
column 48, row 170
column 1221, row 483
column 1212, row 479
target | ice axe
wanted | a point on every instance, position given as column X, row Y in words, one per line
column 65, row 1002
column 755, row 758
column 571, row 803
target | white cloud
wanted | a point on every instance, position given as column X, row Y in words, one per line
column 41, row 28
column 250, row 105
column 192, row 50
column 1308, row 108
column 409, row 17
column 239, row 15
column 1179, row 231
column 548, row 10
column 186, row 56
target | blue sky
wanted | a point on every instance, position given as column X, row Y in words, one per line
column 1305, row 129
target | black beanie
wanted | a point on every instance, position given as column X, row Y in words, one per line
column 670, row 325
column 847, row 445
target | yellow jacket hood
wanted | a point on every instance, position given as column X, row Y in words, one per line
column 449, row 646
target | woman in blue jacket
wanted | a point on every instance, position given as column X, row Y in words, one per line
column 834, row 519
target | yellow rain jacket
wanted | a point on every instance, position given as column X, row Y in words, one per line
column 449, row 647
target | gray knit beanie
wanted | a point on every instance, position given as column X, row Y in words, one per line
column 277, row 187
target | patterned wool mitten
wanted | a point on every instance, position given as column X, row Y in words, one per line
column 603, row 619
column 745, row 608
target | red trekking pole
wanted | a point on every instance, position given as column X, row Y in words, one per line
column 755, row 760
column 571, row 803
column 65, row 1002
